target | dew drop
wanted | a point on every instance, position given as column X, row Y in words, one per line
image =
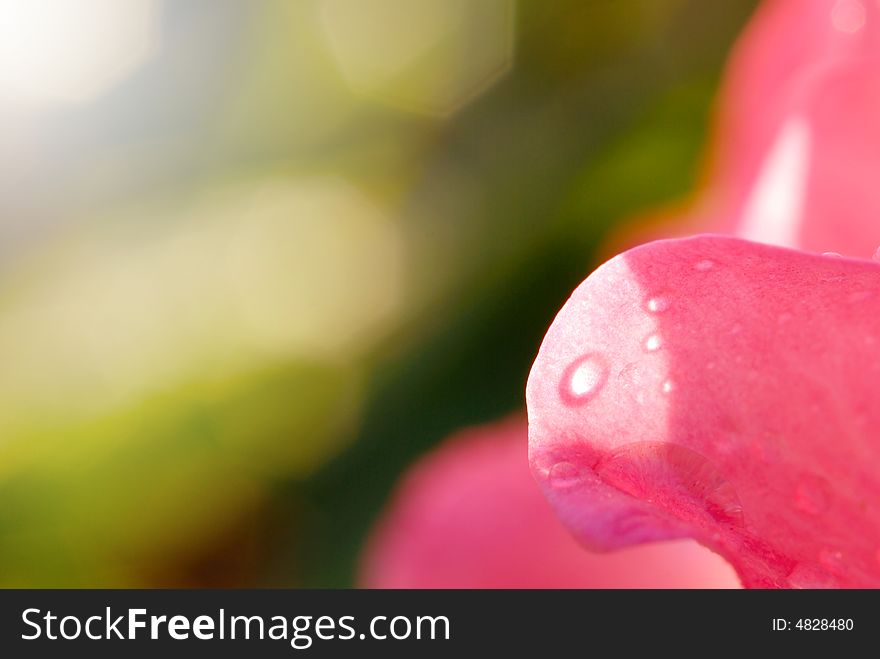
column 805, row 576
column 678, row 480
column 835, row 255
column 564, row 476
column 811, row 495
column 848, row 16
column 658, row 304
column 583, row 379
column 704, row 266
column 653, row 343
column 668, row 387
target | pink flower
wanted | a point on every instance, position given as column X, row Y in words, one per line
column 798, row 141
column 720, row 390
column 470, row 516
column 726, row 391
column 706, row 388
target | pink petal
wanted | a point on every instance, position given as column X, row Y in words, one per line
column 470, row 516
column 799, row 142
column 720, row 390
column 796, row 152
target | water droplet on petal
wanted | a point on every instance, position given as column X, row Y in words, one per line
column 564, row 475
column 704, row 265
column 583, row 379
column 677, row 479
column 835, row 255
column 658, row 304
column 848, row 16
column 806, row 576
column 811, row 495
column 653, row 343
column 668, row 387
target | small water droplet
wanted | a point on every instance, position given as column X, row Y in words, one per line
column 677, row 479
column 811, row 495
column 564, row 476
column 658, row 304
column 806, row 576
column 835, row 255
column 583, row 379
column 653, row 343
column 704, row 265
column 848, row 16
column 668, row 387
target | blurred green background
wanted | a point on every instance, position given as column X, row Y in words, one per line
column 257, row 257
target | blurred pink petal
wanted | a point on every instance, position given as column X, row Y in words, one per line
column 796, row 147
column 798, row 150
column 471, row 516
column 720, row 390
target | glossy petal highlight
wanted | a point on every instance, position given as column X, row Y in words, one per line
column 798, row 142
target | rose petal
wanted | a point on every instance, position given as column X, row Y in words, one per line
column 725, row 391
column 470, row 516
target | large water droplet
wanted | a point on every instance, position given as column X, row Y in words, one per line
column 704, row 266
column 678, row 480
column 658, row 304
column 564, row 475
column 583, row 379
column 653, row 343
column 811, row 495
column 807, row 576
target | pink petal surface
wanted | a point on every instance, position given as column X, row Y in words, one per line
column 720, row 390
column 470, row 516
column 798, row 141
column 796, row 150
